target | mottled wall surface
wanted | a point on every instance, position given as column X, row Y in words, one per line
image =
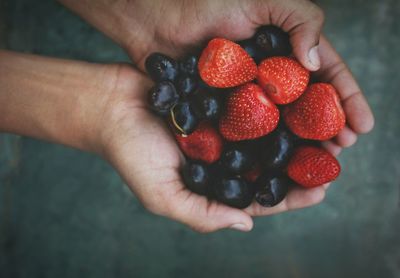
column 64, row 213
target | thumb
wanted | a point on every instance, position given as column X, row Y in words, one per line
column 205, row 216
column 303, row 20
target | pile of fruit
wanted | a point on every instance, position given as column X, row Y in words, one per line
column 247, row 118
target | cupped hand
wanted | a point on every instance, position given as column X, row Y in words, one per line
column 176, row 27
column 143, row 150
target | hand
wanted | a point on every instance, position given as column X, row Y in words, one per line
column 141, row 148
column 175, row 27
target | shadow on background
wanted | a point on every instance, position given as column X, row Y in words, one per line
column 65, row 213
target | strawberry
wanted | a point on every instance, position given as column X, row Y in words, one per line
column 203, row 144
column 317, row 114
column 312, row 166
column 225, row 64
column 283, row 79
column 249, row 114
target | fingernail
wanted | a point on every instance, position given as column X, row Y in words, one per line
column 313, row 57
column 240, row 227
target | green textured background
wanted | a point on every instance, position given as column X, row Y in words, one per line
column 64, row 213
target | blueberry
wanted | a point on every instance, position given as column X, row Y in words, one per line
column 162, row 97
column 196, row 177
column 271, row 189
column 253, row 50
column 237, row 159
column 208, row 106
column 273, row 40
column 189, row 65
column 277, row 149
column 184, row 117
column 203, row 86
column 234, row 192
column 160, row 67
column 186, row 85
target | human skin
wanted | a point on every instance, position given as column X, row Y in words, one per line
column 106, row 111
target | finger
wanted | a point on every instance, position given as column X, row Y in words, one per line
column 203, row 215
column 326, row 186
column 297, row 198
column 346, row 137
column 303, row 20
column 332, row 147
column 334, row 71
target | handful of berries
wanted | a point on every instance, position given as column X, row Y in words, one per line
column 247, row 118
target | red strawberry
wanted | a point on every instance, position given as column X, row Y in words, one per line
column 283, row 79
column 249, row 114
column 317, row 114
column 225, row 64
column 203, row 144
column 313, row 166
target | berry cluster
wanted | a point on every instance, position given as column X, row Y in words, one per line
column 247, row 118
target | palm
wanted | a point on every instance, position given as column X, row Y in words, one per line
column 151, row 156
column 141, row 145
column 144, row 152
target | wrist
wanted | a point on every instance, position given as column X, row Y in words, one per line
column 55, row 100
column 93, row 93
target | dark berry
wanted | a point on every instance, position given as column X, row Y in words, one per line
column 253, row 50
column 301, row 142
column 208, row 106
column 196, row 177
column 184, row 117
column 273, row 40
column 189, row 65
column 234, row 192
column 277, row 149
column 162, row 97
column 186, row 85
column 161, row 67
column 271, row 190
column 237, row 159
column 203, row 87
